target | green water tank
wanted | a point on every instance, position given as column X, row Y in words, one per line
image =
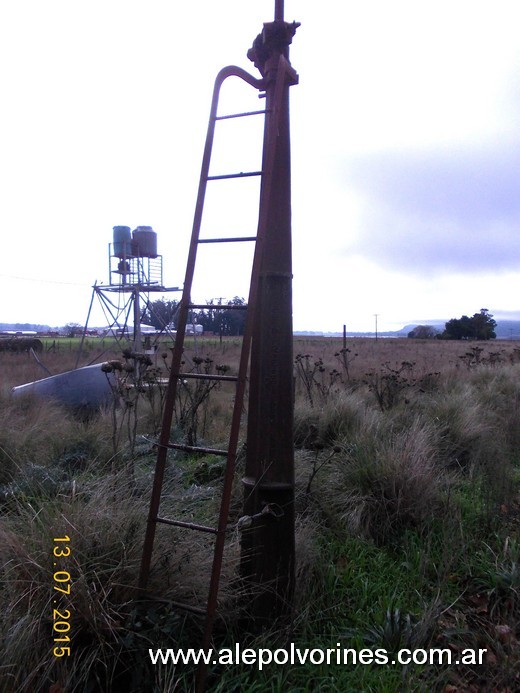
column 122, row 245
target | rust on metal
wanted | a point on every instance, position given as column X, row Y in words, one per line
column 267, row 540
column 186, row 525
column 196, row 449
column 267, row 560
column 236, row 239
column 208, row 376
column 184, row 308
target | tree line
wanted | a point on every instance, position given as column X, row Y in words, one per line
column 217, row 318
column 481, row 326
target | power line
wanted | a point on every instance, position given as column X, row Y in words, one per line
column 41, row 281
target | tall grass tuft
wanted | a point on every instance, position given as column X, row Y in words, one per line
column 385, row 482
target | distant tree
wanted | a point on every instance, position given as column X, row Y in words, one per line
column 481, row 326
column 71, row 329
column 458, row 328
column 221, row 320
column 216, row 319
column 484, row 325
column 233, row 321
column 210, row 319
column 423, row 332
column 159, row 313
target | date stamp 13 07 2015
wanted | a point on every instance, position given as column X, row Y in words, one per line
column 61, row 585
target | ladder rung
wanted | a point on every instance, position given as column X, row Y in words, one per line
column 208, row 376
column 187, row 525
column 247, row 174
column 227, row 240
column 197, row 449
column 188, row 607
column 240, row 115
column 218, row 306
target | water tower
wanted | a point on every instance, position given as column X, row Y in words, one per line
column 135, row 271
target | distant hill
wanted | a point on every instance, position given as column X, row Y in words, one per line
column 506, row 329
column 25, row 327
column 404, row 331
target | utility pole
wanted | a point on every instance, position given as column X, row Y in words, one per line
column 376, row 315
column 138, row 343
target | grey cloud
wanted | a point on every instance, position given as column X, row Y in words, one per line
column 443, row 210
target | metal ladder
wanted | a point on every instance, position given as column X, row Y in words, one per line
column 284, row 74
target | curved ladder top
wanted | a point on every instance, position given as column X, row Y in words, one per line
column 235, row 71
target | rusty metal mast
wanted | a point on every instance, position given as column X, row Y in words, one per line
column 267, row 559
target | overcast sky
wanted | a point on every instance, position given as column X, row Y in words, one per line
column 405, row 148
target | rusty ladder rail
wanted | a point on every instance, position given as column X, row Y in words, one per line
column 164, row 444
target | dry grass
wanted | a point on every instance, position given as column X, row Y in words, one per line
column 105, row 520
column 363, row 470
column 37, row 434
column 427, row 355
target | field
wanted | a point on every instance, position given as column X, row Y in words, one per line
column 408, row 519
